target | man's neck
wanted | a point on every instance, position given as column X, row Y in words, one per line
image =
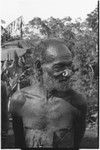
column 41, row 88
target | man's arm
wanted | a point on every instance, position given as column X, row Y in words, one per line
column 15, row 105
column 80, row 120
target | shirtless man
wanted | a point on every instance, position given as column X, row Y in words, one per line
column 53, row 114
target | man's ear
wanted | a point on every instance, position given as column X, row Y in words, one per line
column 38, row 68
column 38, row 64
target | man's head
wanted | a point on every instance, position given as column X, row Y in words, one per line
column 53, row 64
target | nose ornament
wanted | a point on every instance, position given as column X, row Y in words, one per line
column 65, row 73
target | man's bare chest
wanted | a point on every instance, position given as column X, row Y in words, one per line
column 38, row 113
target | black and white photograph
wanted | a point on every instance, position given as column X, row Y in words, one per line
column 49, row 74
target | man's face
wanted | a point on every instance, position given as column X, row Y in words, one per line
column 57, row 73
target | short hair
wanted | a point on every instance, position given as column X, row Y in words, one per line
column 40, row 50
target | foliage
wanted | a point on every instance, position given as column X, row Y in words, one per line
column 82, row 39
column 92, row 20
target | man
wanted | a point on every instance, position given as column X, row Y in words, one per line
column 53, row 114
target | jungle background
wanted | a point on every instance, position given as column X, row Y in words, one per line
column 82, row 39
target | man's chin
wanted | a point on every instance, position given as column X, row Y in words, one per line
column 64, row 86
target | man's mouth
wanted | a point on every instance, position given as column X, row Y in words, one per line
column 63, row 79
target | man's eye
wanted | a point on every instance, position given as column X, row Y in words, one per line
column 58, row 67
column 62, row 66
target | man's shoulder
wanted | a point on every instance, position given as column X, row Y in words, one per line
column 32, row 90
column 77, row 100
column 20, row 97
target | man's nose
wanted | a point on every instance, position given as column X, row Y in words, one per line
column 67, row 73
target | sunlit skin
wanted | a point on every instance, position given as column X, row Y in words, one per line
column 53, row 114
